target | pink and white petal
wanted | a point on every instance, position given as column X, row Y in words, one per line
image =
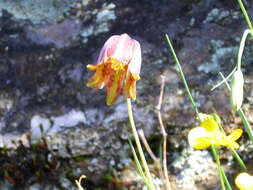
column 135, row 63
column 107, row 48
column 124, row 51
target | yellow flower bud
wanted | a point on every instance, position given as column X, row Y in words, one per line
column 236, row 95
column 244, row 181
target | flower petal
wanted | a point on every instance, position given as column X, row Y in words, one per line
column 109, row 45
column 133, row 74
column 135, row 63
column 244, row 181
column 209, row 124
column 229, row 141
column 124, row 51
column 203, row 116
column 202, row 143
column 130, row 86
column 115, row 81
column 199, row 138
column 233, row 145
column 119, row 47
column 92, row 67
column 99, row 79
column 236, row 134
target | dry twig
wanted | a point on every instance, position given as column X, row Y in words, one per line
column 163, row 171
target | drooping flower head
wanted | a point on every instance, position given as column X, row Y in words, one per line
column 118, row 65
column 209, row 133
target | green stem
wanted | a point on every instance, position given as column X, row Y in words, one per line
column 138, row 144
column 241, row 48
column 216, row 156
column 226, row 180
column 183, row 78
column 239, row 57
column 246, row 124
column 239, row 160
column 245, row 15
column 138, row 163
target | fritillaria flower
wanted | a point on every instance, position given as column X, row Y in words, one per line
column 209, row 133
column 118, row 66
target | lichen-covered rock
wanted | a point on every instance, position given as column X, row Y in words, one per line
column 48, row 115
column 38, row 11
column 194, row 170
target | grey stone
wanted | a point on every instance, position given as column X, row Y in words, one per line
column 45, row 47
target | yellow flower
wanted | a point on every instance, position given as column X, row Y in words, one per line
column 244, row 181
column 118, row 65
column 208, row 133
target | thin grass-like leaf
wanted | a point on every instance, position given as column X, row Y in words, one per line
column 224, row 80
column 137, row 161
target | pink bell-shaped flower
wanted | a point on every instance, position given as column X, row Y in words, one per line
column 118, row 65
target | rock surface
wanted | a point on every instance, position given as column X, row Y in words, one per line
column 48, row 116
